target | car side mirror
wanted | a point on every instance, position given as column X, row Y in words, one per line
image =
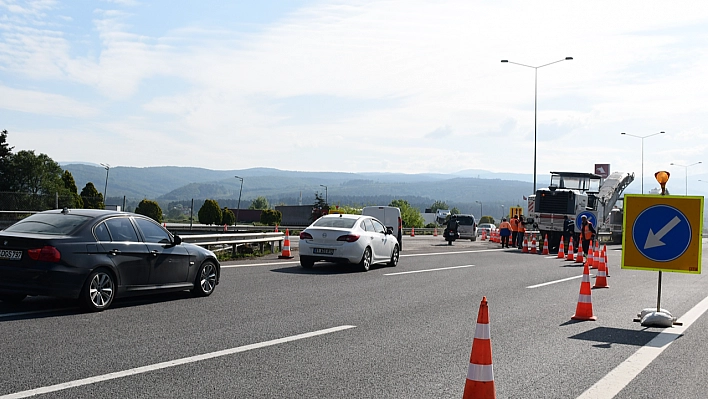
column 177, row 240
column 389, row 230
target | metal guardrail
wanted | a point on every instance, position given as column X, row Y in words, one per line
column 234, row 240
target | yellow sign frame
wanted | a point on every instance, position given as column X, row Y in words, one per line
column 690, row 260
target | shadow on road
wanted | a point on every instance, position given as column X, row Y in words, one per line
column 606, row 336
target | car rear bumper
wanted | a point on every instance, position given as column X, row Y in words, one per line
column 45, row 279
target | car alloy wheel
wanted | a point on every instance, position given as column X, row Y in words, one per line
column 394, row 257
column 365, row 263
column 99, row 291
column 206, row 280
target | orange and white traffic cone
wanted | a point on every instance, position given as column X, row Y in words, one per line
column 571, row 251
column 584, row 309
column 607, row 263
column 435, row 232
column 480, row 374
column 286, row 247
column 525, row 248
column 545, row 246
column 579, row 255
column 276, row 229
column 412, row 231
column 484, row 235
column 596, row 256
column 226, row 227
column 591, row 257
column 533, row 245
column 561, row 250
column 601, row 277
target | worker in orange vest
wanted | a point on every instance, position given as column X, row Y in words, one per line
column 504, row 232
column 520, row 231
column 587, row 233
column 514, row 222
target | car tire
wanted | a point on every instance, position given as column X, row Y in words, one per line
column 205, row 282
column 12, row 298
column 473, row 238
column 394, row 257
column 306, row 263
column 365, row 263
column 98, row 291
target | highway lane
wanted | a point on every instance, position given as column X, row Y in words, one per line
column 411, row 336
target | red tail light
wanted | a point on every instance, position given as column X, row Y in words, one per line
column 400, row 224
column 348, row 237
column 305, row 236
column 45, row 254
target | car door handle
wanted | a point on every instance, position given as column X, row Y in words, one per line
column 114, row 252
column 154, row 252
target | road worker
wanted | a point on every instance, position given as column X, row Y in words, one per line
column 514, row 222
column 587, row 233
column 504, row 232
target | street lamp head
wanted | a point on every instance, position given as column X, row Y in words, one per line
column 505, row 60
column 568, row 58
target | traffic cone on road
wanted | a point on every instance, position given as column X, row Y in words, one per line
column 607, row 263
column 591, row 258
column 584, row 309
column 525, row 248
column 596, row 256
column 276, row 229
column 412, row 231
column 533, row 245
column 561, row 250
column 545, row 246
column 286, row 247
column 435, row 232
column 480, row 374
column 484, row 235
column 601, row 277
column 579, row 255
column 571, row 251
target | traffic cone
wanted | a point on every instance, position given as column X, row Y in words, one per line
column 584, row 309
column 607, row 264
column 601, row 277
column 435, row 232
column 561, row 250
column 533, row 245
column 412, row 231
column 596, row 256
column 591, row 258
column 579, row 255
column 545, row 246
column 525, row 248
column 286, row 247
column 480, row 374
column 225, row 227
column 276, row 229
column 484, row 235
column 571, row 254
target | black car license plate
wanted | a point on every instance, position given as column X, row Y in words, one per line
column 323, row 251
column 10, row 254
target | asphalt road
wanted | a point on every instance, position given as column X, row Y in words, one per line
column 275, row 330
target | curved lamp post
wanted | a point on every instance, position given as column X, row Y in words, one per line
column 326, row 200
column 239, row 197
column 642, row 137
column 481, row 213
column 107, row 167
column 535, row 107
column 686, row 168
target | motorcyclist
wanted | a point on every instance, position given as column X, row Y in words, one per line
column 451, row 230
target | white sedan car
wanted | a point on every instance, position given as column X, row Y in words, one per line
column 343, row 238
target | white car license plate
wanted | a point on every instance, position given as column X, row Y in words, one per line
column 10, row 255
column 323, row 251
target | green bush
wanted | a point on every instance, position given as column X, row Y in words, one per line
column 150, row 209
column 228, row 217
column 209, row 213
column 271, row 217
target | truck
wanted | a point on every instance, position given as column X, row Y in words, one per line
column 572, row 195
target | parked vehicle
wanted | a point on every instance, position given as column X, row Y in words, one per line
column 485, row 227
column 467, row 227
column 97, row 256
column 390, row 216
column 357, row 239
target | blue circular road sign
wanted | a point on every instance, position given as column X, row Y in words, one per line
column 661, row 233
column 579, row 220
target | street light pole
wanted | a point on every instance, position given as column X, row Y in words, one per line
column 481, row 212
column 326, row 200
column 686, row 169
column 642, row 137
column 107, row 167
column 535, row 107
column 239, row 198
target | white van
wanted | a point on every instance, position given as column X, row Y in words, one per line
column 390, row 216
column 467, row 227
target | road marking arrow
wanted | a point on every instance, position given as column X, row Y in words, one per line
column 654, row 240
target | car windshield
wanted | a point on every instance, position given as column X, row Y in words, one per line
column 49, row 223
column 465, row 220
column 341, row 223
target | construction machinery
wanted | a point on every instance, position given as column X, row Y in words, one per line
column 572, row 195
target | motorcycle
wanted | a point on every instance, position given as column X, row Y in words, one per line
column 450, row 234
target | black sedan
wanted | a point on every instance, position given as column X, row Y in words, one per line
column 96, row 256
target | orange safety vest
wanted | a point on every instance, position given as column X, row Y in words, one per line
column 587, row 233
column 504, row 225
column 514, row 224
column 521, row 228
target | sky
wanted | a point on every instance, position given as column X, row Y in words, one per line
column 360, row 86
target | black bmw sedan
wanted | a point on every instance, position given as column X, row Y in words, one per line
column 96, row 256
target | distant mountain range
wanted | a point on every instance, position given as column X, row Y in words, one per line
column 171, row 183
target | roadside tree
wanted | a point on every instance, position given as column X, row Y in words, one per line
column 439, row 205
column 150, row 209
column 410, row 216
column 259, row 203
column 5, row 155
column 228, row 217
column 209, row 213
column 271, row 217
column 91, row 197
column 71, row 199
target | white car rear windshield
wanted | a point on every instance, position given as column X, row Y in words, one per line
column 335, row 222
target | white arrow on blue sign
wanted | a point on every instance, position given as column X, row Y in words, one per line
column 661, row 233
column 579, row 220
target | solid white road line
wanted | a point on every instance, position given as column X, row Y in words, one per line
column 611, row 384
column 428, row 270
column 171, row 363
column 554, row 282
